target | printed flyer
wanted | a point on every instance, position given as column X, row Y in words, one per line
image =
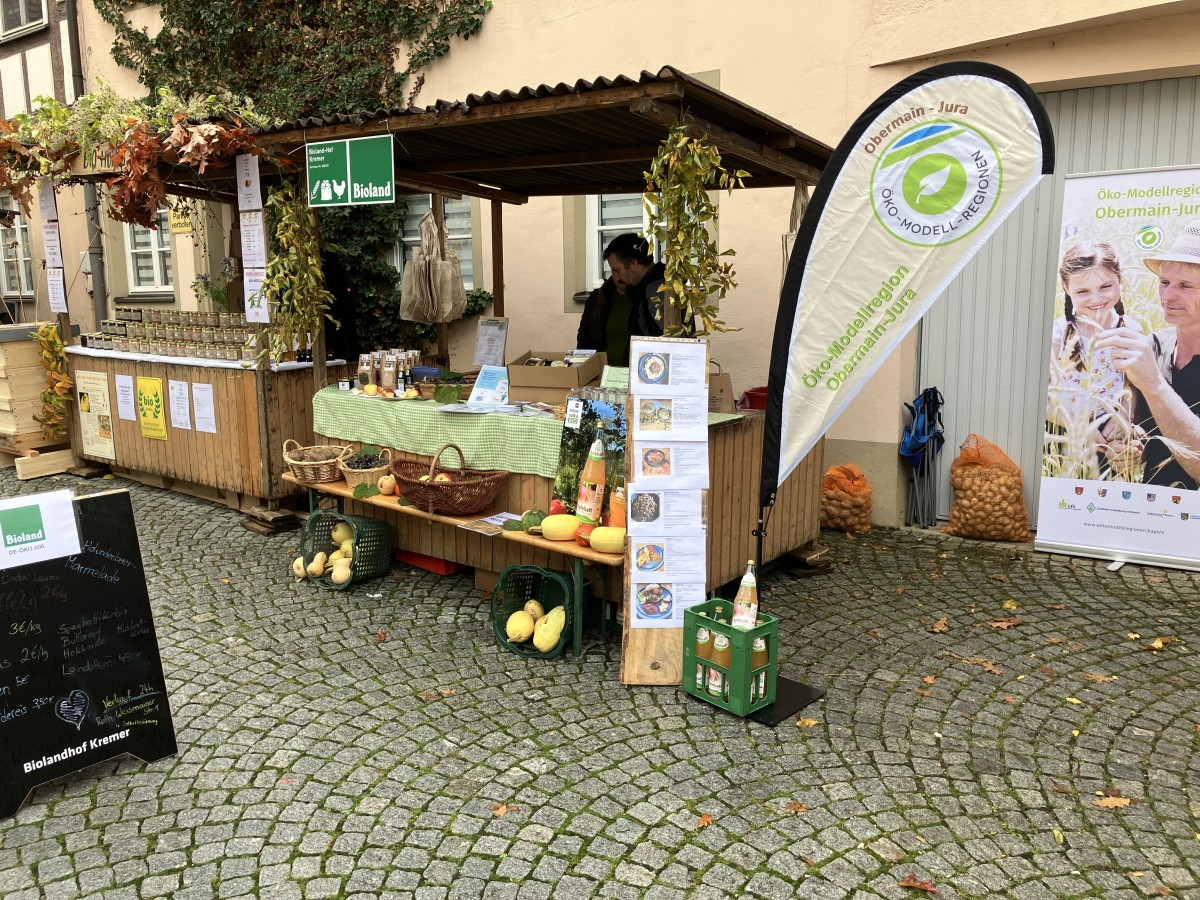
column 152, row 409
column 95, row 414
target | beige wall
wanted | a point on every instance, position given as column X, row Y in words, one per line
column 815, row 65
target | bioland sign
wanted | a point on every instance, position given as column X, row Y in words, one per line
column 911, row 193
column 37, row 527
column 353, row 172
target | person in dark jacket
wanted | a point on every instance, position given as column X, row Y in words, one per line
column 629, row 258
column 606, row 322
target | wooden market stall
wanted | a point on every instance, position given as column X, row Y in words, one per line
column 589, row 137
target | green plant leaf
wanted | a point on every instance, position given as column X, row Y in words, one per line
column 362, row 491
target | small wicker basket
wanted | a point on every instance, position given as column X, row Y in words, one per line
column 318, row 472
column 470, row 490
column 365, row 476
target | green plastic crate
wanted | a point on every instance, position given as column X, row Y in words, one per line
column 372, row 545
column 739, row 672
column 519, row 584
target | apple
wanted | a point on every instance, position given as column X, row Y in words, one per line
column 558, row 508
column 371, row 390
column 442, row 478
column 388, row 393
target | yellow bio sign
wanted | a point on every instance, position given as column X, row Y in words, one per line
column 151, row 408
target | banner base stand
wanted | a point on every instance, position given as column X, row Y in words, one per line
column 790, row 698
column 1117, row 556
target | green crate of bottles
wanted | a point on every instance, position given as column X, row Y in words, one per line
column 740, row 692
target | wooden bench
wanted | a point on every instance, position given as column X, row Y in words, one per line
column 578, row 554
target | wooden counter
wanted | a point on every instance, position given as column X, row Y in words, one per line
column 735, row 458
column 240, row 465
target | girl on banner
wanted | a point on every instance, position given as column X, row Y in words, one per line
column 1088, row 406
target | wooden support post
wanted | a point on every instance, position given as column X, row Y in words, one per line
column 443, row 331
column 497, row 258
column 320, row 374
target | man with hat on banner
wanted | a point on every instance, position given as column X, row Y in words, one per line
column 1164, row 367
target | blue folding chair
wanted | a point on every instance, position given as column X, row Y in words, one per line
column 920, row 445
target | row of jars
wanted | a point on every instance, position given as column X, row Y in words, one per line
column 152, row 315
column 200, row 334
column 190, row 350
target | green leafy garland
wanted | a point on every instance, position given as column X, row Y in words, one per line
column 698, row 275
column 294, row 57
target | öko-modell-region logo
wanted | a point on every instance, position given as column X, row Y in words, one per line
column 937, row 183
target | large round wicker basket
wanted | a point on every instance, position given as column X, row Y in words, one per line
column 467, row 492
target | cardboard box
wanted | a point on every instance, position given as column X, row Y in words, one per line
column 550, row 384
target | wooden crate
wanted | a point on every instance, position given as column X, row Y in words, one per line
column 17, row 416
column 25, row 383
column 20, row 354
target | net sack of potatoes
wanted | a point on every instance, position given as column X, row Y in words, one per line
column 845, row 499
column 989, row 494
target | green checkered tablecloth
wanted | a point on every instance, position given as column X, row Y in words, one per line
column 528, row 445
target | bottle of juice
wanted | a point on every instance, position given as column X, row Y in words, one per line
column 616, row 508
column 704, row 641
column 721, row 656
column 759, row 658
column 745, row 604
column 590, row 501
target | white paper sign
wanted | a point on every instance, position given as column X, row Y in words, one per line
column 47, row 204
column 669, row 556
column 489, row 344
column 51, row 245
column 249, row 193
column 652, row 512
column 660, row 604
column 37, row 527
column 669, row 368
column 56, row 289
column 670, row 464
column 257, row 308
column 181, row 408
column 125, row 408
column 660, row 417
column 202, row 404
column 254, row 240
column 491, row 386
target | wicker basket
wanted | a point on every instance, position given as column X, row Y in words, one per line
column 314, row 472
column 372, row 545
column 518, row 584
column 365, row 476
column 470, row 492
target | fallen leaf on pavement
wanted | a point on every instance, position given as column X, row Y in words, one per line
column 1005, row 623
column 1009, row 604
column 1156, row 580
column 795, row 806
column 807, row 861
column 1003, row 579
column 502, row 809
column 1111, row 802
column 920, row 884
column 226, row 581
column 1158, row 644
column 1058, row 836
column 1099, row 679
column 806, row 723
column 1048, row 670
column 447, row 692
column 924, row 693
column 930, row 679
column 428, row 696
column 1075, row 700
column 1008, row 699
column 1109, row 792
column 1132, row 635
column 899, row 590
column 940, row 626
column 873, row 634
column 381, row 636
column 1162, row 890
column 704, row 821
column 1056, row 606
column 1059, row 788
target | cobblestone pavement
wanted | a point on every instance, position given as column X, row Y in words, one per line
column 972, row 757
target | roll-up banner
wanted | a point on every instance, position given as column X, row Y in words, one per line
column 1122, row 443
column 916, row 186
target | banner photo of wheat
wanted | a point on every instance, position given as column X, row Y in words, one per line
column 1121, row 457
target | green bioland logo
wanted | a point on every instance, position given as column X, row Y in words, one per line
column 22, row 525
column 936, row 183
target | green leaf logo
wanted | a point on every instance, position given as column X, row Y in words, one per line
column 935, row 183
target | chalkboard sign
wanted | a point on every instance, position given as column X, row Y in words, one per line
column 81, row 679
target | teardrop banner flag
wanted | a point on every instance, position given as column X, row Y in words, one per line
column 914, row 189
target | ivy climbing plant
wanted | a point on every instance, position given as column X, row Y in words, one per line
column 683, row 220
column 293, row 57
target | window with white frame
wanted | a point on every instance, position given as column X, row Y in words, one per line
column 458, row 232
column 17, row 15
column 149, row 255
column 607, row 216
column 17, row 278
